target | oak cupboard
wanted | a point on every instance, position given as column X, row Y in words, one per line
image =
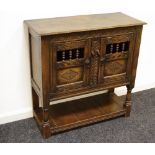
column 76, row 63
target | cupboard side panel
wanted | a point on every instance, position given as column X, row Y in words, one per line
column 136, row 54
column 36, row 60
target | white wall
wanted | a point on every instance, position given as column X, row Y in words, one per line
column 15, row 91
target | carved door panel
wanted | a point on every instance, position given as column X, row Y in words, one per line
column 116, row 58
column 70, row 66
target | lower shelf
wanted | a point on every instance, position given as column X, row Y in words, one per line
column 81, row 112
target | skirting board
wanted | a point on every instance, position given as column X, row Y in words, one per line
column 27, row 113
column 16, row 115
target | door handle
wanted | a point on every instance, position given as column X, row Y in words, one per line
column 102, row 59
column 92, row 53
column 98, row 52
column 87, row 61
column 95, row 52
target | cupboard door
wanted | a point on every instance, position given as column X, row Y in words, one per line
column 116, row 58
column 70, row 66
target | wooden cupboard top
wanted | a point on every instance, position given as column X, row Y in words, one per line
column 70, row 24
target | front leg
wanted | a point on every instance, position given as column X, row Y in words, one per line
column 46, row 124
column 128, row 101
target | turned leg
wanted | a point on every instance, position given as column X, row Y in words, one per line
column 46, row 124
column 128, row 101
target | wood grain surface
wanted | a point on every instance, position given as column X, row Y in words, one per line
column 70, row 24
